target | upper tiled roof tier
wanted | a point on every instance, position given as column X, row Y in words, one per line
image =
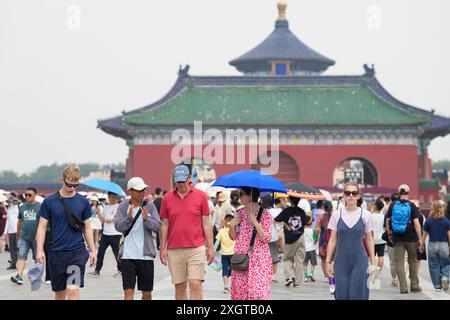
column 282, row 44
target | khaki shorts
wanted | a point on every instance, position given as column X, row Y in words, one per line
column 187, row 264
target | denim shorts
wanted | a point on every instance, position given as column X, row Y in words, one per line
column 24, row 247
column 67, row 268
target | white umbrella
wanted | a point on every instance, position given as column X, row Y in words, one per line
column 327, row 195
column 203, row 186
column 3, row 198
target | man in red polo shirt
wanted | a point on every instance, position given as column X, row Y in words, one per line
column 185, row 227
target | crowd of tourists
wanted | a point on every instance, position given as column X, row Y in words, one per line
column 253, row 232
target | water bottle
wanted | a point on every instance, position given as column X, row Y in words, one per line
column 332, row 284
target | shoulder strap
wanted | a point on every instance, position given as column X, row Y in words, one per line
column 66, row 209
column 133, row 223
column 252, row 242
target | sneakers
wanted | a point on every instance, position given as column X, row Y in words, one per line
column 438, row 289
column 288, row 282
column 444, row 284
column 94, row 273
column 17, row 279
column 117, row 274
column 11, row 268
column 274, row 278
column 226, row 290
column 416, row 290
column 306, row 279
column 394, row 283
column 312, row 278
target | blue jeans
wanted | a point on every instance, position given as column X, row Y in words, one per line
column 24, row 247
column 226, row 266
column 438, row 262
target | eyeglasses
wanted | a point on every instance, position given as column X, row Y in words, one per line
column 27, row 195
column 71, row 185
column 353, row 193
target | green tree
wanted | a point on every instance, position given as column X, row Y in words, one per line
column 52, row 173
column 8, row 176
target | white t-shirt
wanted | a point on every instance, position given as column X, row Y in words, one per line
column 309, row 241
column 12, row 215
column 108, row 213
column 274, row 212
column 134, row 243
column 351, row 219
column 378, row 220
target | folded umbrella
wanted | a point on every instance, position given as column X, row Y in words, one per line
column 105, row 185
column 251, row 178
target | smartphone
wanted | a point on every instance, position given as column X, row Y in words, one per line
column 144, row 203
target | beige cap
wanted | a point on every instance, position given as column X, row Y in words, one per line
column 403, row 189
column 136, row 183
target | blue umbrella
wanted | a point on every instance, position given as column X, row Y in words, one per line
column 251, row 178
column 105, row 185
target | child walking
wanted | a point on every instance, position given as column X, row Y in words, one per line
column 226, row 251
column 311, row 247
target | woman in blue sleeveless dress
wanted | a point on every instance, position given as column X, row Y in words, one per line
column 351, row 226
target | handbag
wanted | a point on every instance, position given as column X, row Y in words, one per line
column 241, row 261
column 125, row 234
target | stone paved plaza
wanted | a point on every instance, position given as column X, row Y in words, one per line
column 108, row 287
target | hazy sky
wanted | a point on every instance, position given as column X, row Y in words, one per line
column 65, row 64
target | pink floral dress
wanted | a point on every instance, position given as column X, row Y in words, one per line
column 253, row 284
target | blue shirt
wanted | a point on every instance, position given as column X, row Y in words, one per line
column 64, row 237
column 437, row 229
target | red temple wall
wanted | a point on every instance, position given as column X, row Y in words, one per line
column 395, row 164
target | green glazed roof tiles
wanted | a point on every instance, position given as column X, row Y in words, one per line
column 429, row 184
column 284, row 106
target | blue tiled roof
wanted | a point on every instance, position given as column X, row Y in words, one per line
column 282, row 44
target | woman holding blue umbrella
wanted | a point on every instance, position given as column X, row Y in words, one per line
column 253, row 284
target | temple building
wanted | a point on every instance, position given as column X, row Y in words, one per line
column 332, row 129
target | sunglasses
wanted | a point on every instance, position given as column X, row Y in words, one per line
column 27, row 195
column 71, row 185
column 353, row 193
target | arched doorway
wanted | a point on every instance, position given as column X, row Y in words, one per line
column 357, row 170
column 288, row 170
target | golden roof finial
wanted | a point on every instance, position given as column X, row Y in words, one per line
column 282, row 5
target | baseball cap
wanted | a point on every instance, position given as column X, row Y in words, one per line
column 136, row 183
column 35, row 274
column 180, row 173
column 221, row 197
column 403, row 189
